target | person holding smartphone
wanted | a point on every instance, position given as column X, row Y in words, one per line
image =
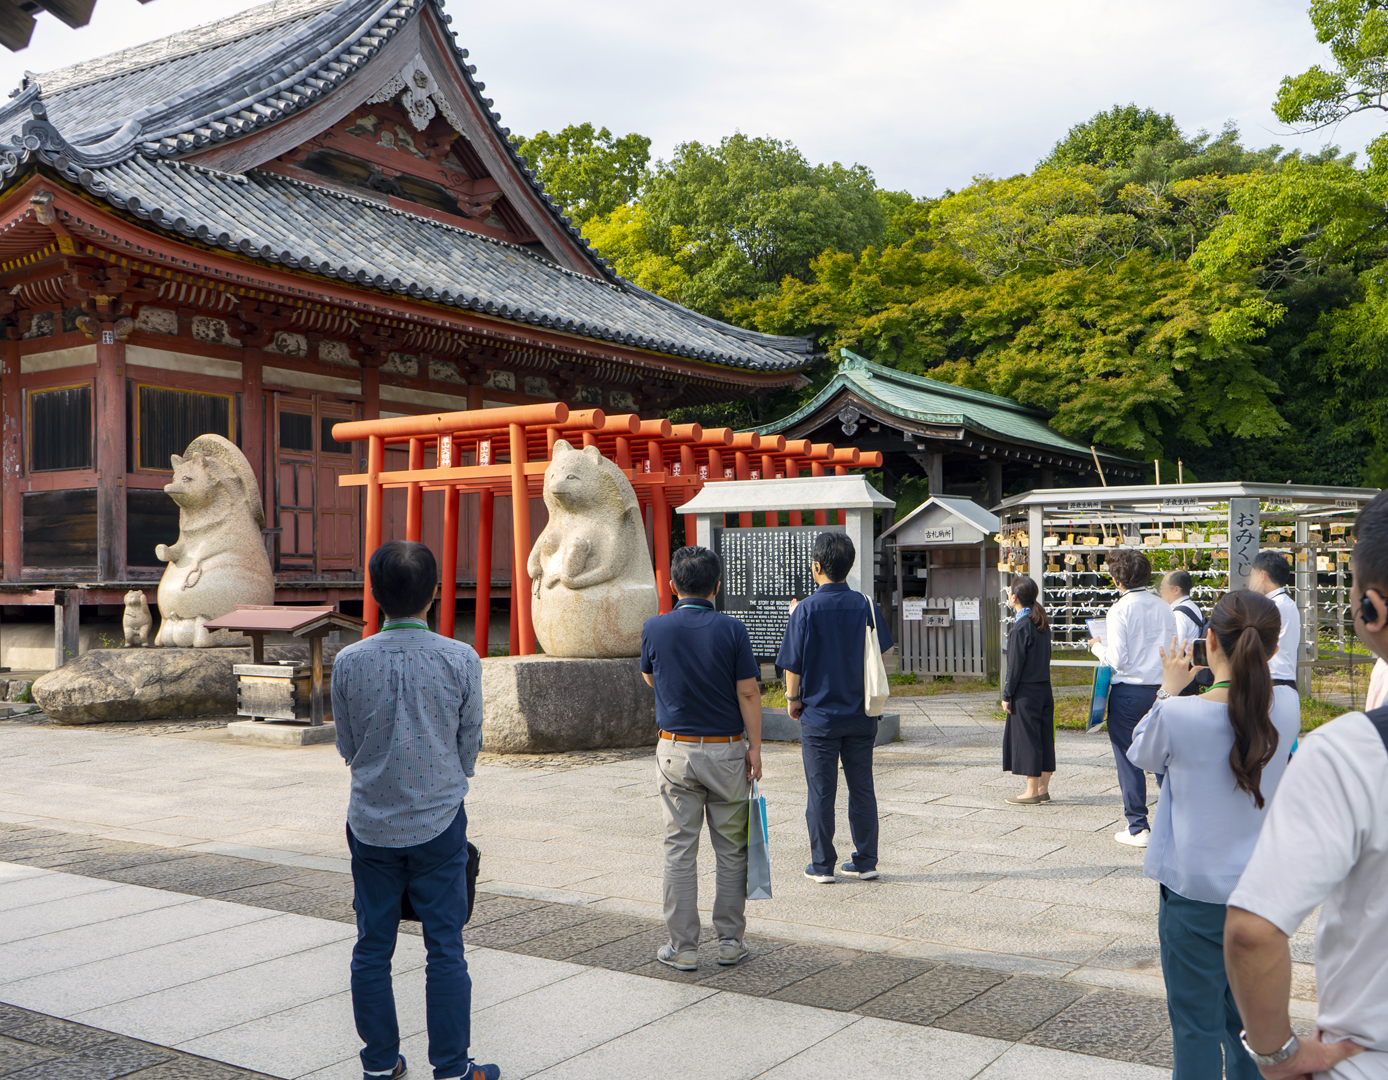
column 1223, row 754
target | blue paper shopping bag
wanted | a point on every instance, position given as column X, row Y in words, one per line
column 758, row 857
column 1098, row 698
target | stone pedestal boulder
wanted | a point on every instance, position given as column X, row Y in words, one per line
column 150, row 684
column 542, row 704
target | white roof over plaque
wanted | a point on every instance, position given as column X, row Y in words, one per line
column 798, row 493
column 940, row 510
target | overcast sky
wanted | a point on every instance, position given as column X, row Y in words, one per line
column 926, row 93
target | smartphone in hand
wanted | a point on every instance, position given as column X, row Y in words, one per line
column 1199, row 653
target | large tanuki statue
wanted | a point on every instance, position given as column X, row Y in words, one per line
column 219, row 560
column 590, row 569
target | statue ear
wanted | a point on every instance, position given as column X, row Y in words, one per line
column 177, row 461
column 592, row 451
column 562, row 446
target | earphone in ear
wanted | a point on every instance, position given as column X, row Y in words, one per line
column 1367, row 612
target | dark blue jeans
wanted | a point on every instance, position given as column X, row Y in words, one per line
column 1128, row 704
column 435, row 876
column 1205, row 1022
column 822, row 749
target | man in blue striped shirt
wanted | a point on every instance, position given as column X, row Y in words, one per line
column 407, row 705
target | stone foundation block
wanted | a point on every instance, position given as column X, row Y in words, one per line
column 264, row 733
column 151, row 684
column 542, row 704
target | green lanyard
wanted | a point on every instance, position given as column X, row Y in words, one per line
column 401, row 624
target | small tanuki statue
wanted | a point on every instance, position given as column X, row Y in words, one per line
column 219, row 560
column 137, row 619
column 590, row 570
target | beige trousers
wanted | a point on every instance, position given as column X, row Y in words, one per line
column 698, row 781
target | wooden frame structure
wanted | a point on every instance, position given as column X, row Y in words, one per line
column 666, row 464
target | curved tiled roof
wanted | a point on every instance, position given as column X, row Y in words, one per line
column 117, row 123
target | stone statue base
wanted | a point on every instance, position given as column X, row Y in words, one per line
column 150, row 684
column 777, row 726
column 542, row 704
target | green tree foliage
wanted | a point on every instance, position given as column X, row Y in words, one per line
column 1113, row 137
column 718, row 224
column 1357, row 33
column 589, row 173
column 1032, row 288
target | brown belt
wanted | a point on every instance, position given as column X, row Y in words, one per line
column 701, row 738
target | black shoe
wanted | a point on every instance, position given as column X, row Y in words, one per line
column 482, row 1072
column 395, row 1074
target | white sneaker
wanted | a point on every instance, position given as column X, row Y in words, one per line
column 1133, row 839
column 730, row 952
column 815, row 876
column 680, row 961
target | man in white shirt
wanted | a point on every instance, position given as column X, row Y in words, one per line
column 1271, row 574
column 1139, row 625
column 1325, row 841
column 1190, row 622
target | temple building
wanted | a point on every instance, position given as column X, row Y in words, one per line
column 306, row 213
column 966, row 442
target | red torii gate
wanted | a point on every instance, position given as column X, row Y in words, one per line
column 678, row 460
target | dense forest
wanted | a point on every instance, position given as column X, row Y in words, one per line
column 1170, row 295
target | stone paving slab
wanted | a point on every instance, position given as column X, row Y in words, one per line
column 38, row 1047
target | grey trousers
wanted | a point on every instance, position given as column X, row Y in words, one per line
column 698, row 781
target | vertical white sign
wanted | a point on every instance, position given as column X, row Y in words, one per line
column 1244, row 527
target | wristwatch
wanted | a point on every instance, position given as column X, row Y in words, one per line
column 1162, row 695
column 1290, row 1047
column 795, row 698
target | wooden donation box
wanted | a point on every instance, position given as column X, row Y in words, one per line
column 290, row 690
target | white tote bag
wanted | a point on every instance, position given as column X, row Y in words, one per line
column 875, row 687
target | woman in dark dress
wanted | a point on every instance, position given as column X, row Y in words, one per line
column 1028, row 740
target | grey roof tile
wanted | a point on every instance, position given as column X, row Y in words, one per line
column 110, row 123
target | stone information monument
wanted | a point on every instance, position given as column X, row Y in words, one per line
column 763, row 571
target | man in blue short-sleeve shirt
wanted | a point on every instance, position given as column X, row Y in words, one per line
column 708, row 706
column 822, row 656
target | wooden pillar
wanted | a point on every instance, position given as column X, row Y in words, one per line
column 520, row 530
column 371, row 387
column 315, row 667
column 821, row 517
column 448, row 573
column 768, row 472
column 743, row 471
column 994, row 482
column 66, row 613
column 110, row 455
column 660, row 513
column 842, row 470
column 375, row 464
column 1047, row 479
column 513, row 640
column 482, row 619
column 792, row 472
column 11, row 464
column 474, row 396
column 414, row 496
column 935, row 473
column 253, row 420
column 689, row 467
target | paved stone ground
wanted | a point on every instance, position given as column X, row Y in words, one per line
column 1048, row 1012
column 38, row 1047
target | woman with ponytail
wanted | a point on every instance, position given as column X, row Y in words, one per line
column 1028, row 739
column 1223, row 754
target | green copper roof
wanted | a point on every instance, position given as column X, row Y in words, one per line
column 928, row 401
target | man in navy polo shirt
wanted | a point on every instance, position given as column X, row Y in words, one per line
column 822, row 656
column 708, row 706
